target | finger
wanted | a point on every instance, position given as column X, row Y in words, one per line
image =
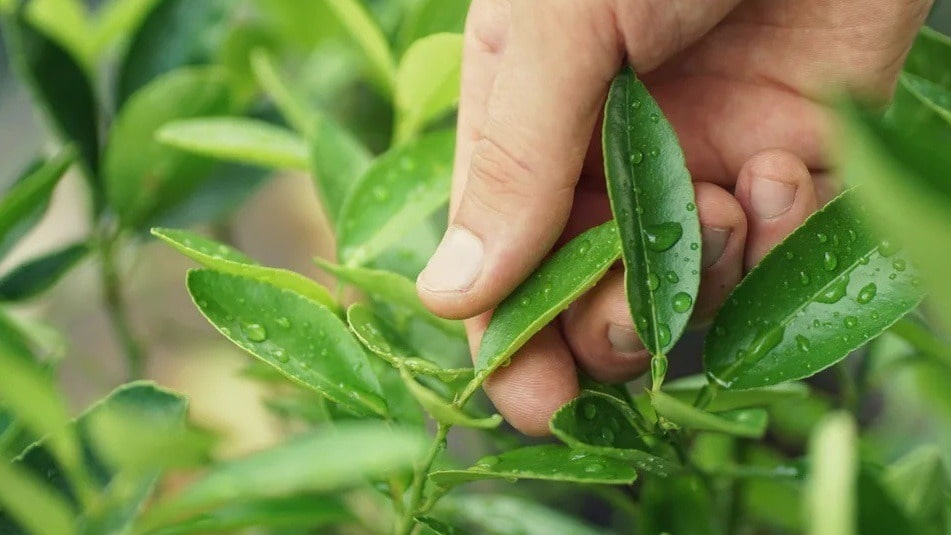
column 723, row 230
column 775, row 189
column 539, row 380
column 524, row 167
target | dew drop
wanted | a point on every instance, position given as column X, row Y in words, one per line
column 816, row 323
column 525, row 301
column 863, row 260
column 583, row 247
column 892, row 276
column 653, row 281
column 804, row 278
column 822, row 237
column 203, row 303
column 283, row 322
column 652, row 153
column 835, row 292
column 663, row 334
column 790, row 255
column 655, row 118
column 694, row 246
column 593, row 468
column 867, row 293
column 764, row 343
column 607, row 436
column 590, row 411
column 546, row 289
column 641, row 322
column 636, row 157
column 636, row 104
column 691, row 207
column 829, row 260
column 887, row 248
column 255, row 332
column 852, row 235
column 802, row 343
column 488, row 462
column 280, row 355
column 899, row 265
column 682, row 302
column 672, row 277
column 851, row 322
column 663, row 236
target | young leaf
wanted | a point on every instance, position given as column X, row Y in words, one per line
column 36, row 275
column 301, row 338
column 248, row 141
column 225, row 259
column 31, row 505
column 67, row 22
column 174, row 34
column 443, row 411
column 380, row 339
column 324, row 461
column 432, row 16
column 339, row 160
column 919, row 483
column 687, row 389
column 561, row 279
column 427, row 82
column 750, row 423
column 393, row 289
column 305, row 511
column 144, row 176
column 370, row 40
column 831, row 496
column 495, row 514
column 832, row 286
column 292, row 108
column 402, row 187
column 115, row 20
column 652, row 199
column 603, row 425
column 547, row 463
column 19, row 204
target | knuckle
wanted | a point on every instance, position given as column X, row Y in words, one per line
column 497, row 176
column 487, row 25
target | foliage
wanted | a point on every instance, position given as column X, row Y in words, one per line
column 156, row 102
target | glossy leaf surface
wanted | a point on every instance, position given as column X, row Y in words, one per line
column 427, row 81
column 339, row 161
column 248, row 141
column 31, row 505
column 442, row 410
column 558, row 281
column 401, row 188
column 36, row 275
column 432, row 16
column 653, row 202
column 18, row 206
column 832, row 286
column 749, row 423
column 499, row 514
column 687, row 389
column 304, row 511
column 301, row 338
column 291, row 106
column 370, row 40
column 549, row 463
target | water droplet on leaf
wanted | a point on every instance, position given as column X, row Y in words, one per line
column 663, row 236
column 682, row 302
column 636, row 157
column 691, row 207
column 829, row 260
column 283, row 322
column 593, row 468
column 802, row 343
column 851, row 322
column 653, row 281
column 590, row 411
column 804, row 278
column 280, row 355
column 672, row 277
column 822, row 237
column 867, row 293
column 835, row 292
column 663, row 334
column 899, row 265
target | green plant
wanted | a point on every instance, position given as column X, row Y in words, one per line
column 203, row 107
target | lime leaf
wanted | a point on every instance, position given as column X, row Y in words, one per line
column 301, row 338
column 495, row 514
column 442, row 410
column 929, row 57
column 686, row 389
column 919, row 483
column 653, row 202
column 292, row 108
column 115, row 20
column 32, row 505
column 36, row 275
column 831, row 488
column 248, row 141
column 665, row 501
column 427, row 82
column 66, row 22
column 368, row 36
column 750, row 423
column 18, row 206
column 432, row 16
column 305, row 511
column 547, row 463
column 832, row 286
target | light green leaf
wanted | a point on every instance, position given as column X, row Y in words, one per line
column 495, row 514
column 561, row 279
column 370, row 41
column 831, row 487
column 301, row 338
column 305, row 511
column 427, row 82
column 929, row 57
column 292, row 108
column 393, row 289
column 248, row 141
column 323, row 461
column 750, row 423
column 442, row 410
column 339, row 161
column 144, row 176
column 36, row 275
column 115, row 20
column 432, row 16
column 547, row 463
column 19, row 204
column 67, row 23
column 32, row 505
column 686, row 389
column 653, row 202
column 400, row 189
column 919, row 483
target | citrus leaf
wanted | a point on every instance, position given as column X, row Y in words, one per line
column 832, row 286
column 427, row 82
column 32, row 505
column 749, row 423
column 243, row 140
column 442, row 410
column 929, row 57
column 432, row 16
column 339, row 160
column 392, row 288
column 67, row 22
column 305, row 511
column 547, row 463
column 115, row 20
column 292, row 108
column 665, row 501
column 558, row 281
column 686, row 389
column 36, row 275
column 653, row 202
column 368, row 36
column 831, row 487
column 301, row 338
column 402, row 187
column 603, row 425
column 919, row 483
column 18, row 206
column 495, row 514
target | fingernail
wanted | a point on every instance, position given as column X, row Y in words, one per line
column 624, row 339
column 456, row 264
column 714, row 242
column 771, row 198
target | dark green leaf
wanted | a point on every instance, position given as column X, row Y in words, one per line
column 431, row 526
column 19, row 205
column 677, row 505
column 548, row 463
column 305, row 511
column 750, row 423
column 832, row 286
column 878, row 513
column 401, row 188
column 443, row 411
column 38, row 274
column 248, row 141
column 32, row 505
column 831, row 488
column 490, row 514
column 652, row 199
column 301, row 338
column 561, row 279
column 687, row 389
column 919, row 483
column 930, row 57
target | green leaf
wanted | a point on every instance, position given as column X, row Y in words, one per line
column 604, row 425
column 292, row 107
column 144, row 176
column 833, row 285
column 323, row 461
column 750, row 423
column 18, row 206
column 380, row 339
column 831, row 488
column 301, row 338
column 32, row 505
column 392, row 288
column 878, row 512
column 495, row 514
column 921, row 106
column 174, row 34
column 431, row 526
column 444, row 411
column 919, row 483
column 66, row 22
column 929, row 57
column 677, row 505
column 339, row 160
column 652, row 200
column 432, row 16
column 60, row 86
column 401, row 188
column 115, row 20
column 427, row 82
column 687, row 389
column 248, row 141
column 549, row 462
column 305, row 511
column 561, row 279
column 36, row 275
column 370, row 41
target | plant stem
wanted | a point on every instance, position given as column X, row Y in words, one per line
column 406, row 523
column 116, row 307
column 848, row 395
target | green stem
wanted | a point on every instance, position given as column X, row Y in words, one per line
column 848, row 395
column 406, row 523
column 922, row 339
column 116, row 307
column 658, row 371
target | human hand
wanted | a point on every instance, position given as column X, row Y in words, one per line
column 741, row 82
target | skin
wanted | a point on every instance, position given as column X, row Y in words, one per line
column 742, row 82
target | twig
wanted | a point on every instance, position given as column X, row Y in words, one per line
column 116, row 307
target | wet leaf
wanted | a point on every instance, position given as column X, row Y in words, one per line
column 36, row 275
column 372, row 44
column 400, row 189
column 19, row 204
column 305, row 511
column 831, row 488
column 665, row 503
column 653, row 202
column 832, row 286
column 929, row 57
column 687, row 389
column 548, row 463
column 442, row 410
column 558, row 281
column 498, row 514
column 749, row 423
column 427, row 82
column 339, row 160
column 301, row 338
column 243, row 140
